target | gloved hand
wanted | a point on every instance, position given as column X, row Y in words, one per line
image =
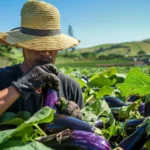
column 69, row 108
column 37, row 77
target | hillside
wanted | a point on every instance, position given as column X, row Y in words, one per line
column 127, row 48
column 11, row 55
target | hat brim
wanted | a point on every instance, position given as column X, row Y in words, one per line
column 39, row 43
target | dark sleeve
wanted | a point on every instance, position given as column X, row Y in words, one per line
column 9, row 74
column 76, row 94
column 70, row 89
column 5, row 80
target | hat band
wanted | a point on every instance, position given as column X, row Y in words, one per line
column 40, row 32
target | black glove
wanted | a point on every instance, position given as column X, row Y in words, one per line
column 69, row 108
column 37, row 77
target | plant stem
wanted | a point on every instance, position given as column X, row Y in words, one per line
column 40, row 130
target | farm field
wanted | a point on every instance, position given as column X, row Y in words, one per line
column 114, row 100
column 116, row 108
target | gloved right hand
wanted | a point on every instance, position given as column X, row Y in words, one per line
column 37, row 77
column 69, row 108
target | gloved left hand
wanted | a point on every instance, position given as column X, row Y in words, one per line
column 69, row 108
column 35, row 78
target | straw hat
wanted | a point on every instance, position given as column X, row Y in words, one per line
column 40, row 29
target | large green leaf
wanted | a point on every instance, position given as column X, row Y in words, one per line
column 5, row 135
column 100, row 81
column 42, row 116
column 109, row 72
column 105, row 90
column 136, row 83
column 15, row 121
column 103, row 79
column 18, row 145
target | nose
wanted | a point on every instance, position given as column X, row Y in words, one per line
column 44, row 53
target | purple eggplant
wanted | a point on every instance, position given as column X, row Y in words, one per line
column 81, row 140
column 141, row 109
column 62, row 122
column 114, row 102
column 136, row 140
column 147, row 109
column 147, row 106
column 51, row 98
column 100, row 124
column 131, row 125
column 133, row 98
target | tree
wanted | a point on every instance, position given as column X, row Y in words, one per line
column 70, row 33
column 141, row 52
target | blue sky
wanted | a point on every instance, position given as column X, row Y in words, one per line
column 94, row 22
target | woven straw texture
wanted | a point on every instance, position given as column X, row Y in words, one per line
column 40, row 16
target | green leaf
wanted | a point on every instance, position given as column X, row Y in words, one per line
column 136, row 83
column 96, row 109
column 44, row 115
column 100, row 81
column 88, row 115
column 7, row 116
column 25, row 132
column 146, row 121
column 147, row 98
column 81, row 82
column 18, row 145
column 118, row 77
column 15, row 121
column 130, row 111
column 5, row 135
column 109, row 72
column 25, row 115
column 105, row 90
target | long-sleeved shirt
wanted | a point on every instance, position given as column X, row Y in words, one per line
column 69, row 89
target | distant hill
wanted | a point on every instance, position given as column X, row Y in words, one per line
column 10, row 55
column 127, row 48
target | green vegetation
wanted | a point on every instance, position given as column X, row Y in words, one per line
column 127, row 48
column 123, row 53
column 106, row 95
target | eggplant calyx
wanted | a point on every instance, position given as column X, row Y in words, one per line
column 59, row 137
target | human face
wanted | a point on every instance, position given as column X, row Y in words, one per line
column 32, row 57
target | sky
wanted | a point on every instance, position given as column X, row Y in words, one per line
column 94, row 22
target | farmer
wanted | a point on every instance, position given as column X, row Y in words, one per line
column 21, row 85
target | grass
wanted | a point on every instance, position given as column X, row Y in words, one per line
column 64, row 62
